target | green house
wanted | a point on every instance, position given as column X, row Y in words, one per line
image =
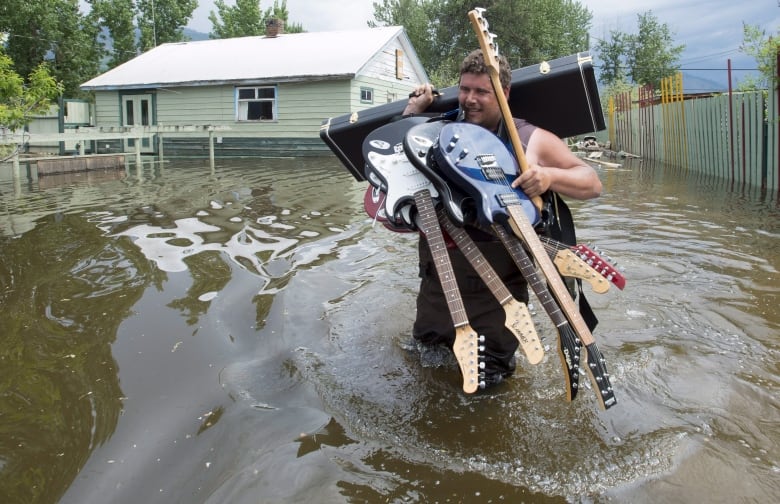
column 261, row 95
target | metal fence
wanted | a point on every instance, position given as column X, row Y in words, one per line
column 735, row 136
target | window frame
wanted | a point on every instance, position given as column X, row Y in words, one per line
column 257, row 99
column 369, row 91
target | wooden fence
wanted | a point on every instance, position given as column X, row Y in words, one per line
column 735, row 136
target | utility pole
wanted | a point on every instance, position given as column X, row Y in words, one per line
column 154, row 26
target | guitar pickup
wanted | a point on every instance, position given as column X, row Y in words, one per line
column 508, row 198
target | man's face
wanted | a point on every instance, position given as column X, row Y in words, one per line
column 478, row 101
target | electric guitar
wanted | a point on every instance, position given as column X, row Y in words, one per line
column 600, row 265
column 388, row 169
column 409, row 199
column 569, row 264
column 472, row 158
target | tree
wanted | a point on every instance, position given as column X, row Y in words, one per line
column 653, row 54
column 246, row 19
column 526, row 31
column 163, row 21
column 611, row 53
column 117, row 18
column 56, row 32
column 19, row 102
column 645, row 57
column 764, row 49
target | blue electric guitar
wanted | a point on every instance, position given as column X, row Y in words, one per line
column 472, row 158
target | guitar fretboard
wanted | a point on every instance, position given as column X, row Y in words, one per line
column 474, row 256
column 526, row 232
column 428, row 223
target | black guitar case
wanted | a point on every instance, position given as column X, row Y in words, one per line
column 559, row 95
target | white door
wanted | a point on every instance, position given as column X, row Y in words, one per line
column 137, row 111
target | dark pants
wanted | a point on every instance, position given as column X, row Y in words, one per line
column 433, row 324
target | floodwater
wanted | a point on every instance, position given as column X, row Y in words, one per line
column 190, row 335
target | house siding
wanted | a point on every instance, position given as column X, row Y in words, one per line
column 107, row 108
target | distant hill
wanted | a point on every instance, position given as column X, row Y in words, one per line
column 188, row 32
column 703, row 82
column 195, row 35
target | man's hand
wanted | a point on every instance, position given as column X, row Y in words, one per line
column 534, row 182
column 419, row 99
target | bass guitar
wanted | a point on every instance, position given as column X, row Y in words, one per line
column 520, row 224
column 472, row 157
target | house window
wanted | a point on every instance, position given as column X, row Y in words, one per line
column 256, row 103
column 366, row 95
column 391, row 97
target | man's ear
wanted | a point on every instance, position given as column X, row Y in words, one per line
column 506, row 91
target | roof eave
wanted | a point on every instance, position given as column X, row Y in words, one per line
column 220, row 82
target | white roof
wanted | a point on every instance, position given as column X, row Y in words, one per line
column 287, row 57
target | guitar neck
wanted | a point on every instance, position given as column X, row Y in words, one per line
column 570, row 347
column 466, row 346
column 523, row 229
column 428, row 223
column 515, row 250
column 476, row 259
column 490, row 53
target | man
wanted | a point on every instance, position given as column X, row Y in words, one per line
column 551, row 168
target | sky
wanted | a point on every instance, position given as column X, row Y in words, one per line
column 710, row 29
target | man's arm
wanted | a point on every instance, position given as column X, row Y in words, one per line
column 552, row 166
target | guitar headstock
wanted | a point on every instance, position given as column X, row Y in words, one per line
column 487, row 40
column 597, row 369
column 469, row 352
column 601, row 265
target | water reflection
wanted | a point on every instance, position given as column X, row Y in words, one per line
column 239, row 335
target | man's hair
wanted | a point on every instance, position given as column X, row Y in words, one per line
column 475, row 63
